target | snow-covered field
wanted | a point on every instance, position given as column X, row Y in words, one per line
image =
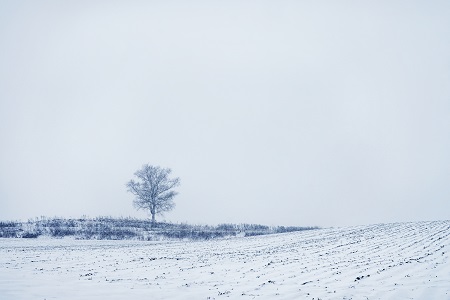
column 388, row 261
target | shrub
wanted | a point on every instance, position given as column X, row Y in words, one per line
column 30, row 235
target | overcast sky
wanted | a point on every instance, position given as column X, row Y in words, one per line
column 328, row 113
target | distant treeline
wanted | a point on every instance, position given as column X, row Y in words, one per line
column 107, row 228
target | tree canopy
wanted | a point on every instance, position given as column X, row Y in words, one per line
column 153, row 189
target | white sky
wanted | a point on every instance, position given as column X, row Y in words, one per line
column 328, row 113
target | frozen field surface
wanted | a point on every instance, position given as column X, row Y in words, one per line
column 387, row 261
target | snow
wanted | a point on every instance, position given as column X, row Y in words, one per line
column 385, row 261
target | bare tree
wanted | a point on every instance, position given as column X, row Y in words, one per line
column 153, row 190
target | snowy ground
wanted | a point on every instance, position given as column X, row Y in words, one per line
column 391, row 261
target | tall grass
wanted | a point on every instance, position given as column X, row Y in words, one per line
column 108, row 228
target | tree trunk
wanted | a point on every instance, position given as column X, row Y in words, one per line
column 153, row 220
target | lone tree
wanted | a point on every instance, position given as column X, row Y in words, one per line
column 153, row 190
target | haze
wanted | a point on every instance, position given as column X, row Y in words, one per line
column 274, row 112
